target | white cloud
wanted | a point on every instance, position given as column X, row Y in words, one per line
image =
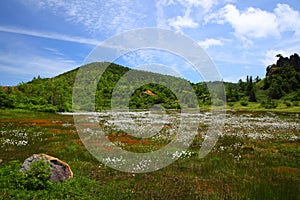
column 210, row 42
column 253, row 22
column 257, row 23
column 183, row 22
column 288, row 19
column 193, row 10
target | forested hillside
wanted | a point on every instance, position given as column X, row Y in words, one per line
column 281, row 84
column 55, row 94
column 283, row 77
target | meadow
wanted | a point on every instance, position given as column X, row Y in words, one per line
column 257, row 156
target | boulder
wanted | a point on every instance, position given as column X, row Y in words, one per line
column 59, row 170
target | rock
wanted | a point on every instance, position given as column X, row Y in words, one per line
column 59, row 170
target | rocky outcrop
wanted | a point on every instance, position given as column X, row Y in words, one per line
column 59, row 170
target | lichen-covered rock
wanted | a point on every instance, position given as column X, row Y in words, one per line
column 59, row 170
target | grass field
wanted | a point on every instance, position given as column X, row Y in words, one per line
column 256, row 157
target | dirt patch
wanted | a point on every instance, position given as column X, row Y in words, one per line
column 149, row 92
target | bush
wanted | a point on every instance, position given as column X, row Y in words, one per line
column 244, row 103
column 269, row 104
column 230, row 104
column 288, row 104
column 36, row 177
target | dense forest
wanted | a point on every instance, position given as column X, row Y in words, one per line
column 281, row 83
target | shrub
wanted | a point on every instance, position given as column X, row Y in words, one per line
column 230, row 104
column 269, row 104
column 244, row 103
column 36, row 177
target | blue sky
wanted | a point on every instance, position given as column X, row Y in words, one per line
column 48, row 37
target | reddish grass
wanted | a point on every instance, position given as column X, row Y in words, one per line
column 127, row 139
column 287, row 169
column 39, row 122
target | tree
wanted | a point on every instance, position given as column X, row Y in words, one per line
column 257, row 79
column 6, row 100
column 252, row 96
column 241, row 85
column 275, row 91
column 249, row 85
column 232, row 94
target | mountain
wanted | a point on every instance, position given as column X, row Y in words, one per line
column 281, row 85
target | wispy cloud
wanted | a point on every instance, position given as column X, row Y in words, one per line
column 189, row 13
column 98, row 16
column 49, row 35
column 205, row 4
column 160, row 16
column 288, row 18
column 26, row 64
column 160, row 62
column 21, row 61
column 54, row 51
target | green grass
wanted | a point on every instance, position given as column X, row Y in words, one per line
column 254, row 106
column 237, row 168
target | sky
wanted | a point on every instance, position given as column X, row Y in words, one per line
column 49, row 37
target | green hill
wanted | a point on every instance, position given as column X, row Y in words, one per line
column 280, row 86
column 283, row 78
column 55, row 94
